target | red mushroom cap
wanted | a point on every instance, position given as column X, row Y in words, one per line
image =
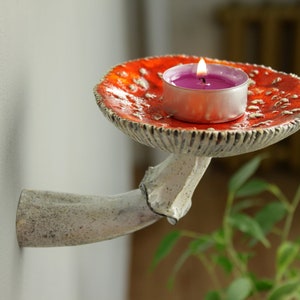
column 130, row 95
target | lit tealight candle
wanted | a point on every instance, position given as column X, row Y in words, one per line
column 201, row 93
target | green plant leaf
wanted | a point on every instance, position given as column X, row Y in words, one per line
column 270, row 214
column 252, row 188
column 219, row 239
column 245, row 256
column 245, row 204
column 244, row 173
column 239, row 289
column 201, row 244
column 286, row 255
column 293, row 272
column 165, row 247
column 184, row 256
column 224, row 262
column 283, row 290
column 212, row 295
column 263, row 285
column 249, row 226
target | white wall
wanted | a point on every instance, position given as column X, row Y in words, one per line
column 53, row 137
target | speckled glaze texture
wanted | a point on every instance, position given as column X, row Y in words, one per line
column 131, row 96
column 169, row 186
column 51, row 219
column 48, row 219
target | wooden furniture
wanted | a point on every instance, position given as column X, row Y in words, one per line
column 269, row 35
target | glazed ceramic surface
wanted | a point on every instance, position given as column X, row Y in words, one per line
column 131, row 96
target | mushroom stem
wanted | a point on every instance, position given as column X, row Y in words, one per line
column 170, row 185
column 51, row 219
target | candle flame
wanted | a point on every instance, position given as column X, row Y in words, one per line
column 201, row 68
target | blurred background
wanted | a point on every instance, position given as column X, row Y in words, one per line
column 53, row 136
column 260, row 32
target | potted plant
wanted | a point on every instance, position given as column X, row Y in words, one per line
column 248, row 220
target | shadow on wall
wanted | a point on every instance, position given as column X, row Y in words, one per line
column 52, row 136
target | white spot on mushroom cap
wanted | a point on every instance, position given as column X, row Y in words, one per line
column 123, row 74
column 133, row 87
column 287, row 112
column 143, row 71
column 276, row 80
column 142, row 82
column 252, row 82
column 264, row 123
column 258, row 101
column 150, row 95
column 160, row 74
column 253, row 107
column 157, row 117
column 255, row 115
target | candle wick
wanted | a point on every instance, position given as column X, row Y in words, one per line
column 202, row 79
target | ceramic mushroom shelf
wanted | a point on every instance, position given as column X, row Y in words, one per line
column 131, row 96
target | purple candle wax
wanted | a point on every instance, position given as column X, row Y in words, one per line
column 218, row 95
column 206, row 82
